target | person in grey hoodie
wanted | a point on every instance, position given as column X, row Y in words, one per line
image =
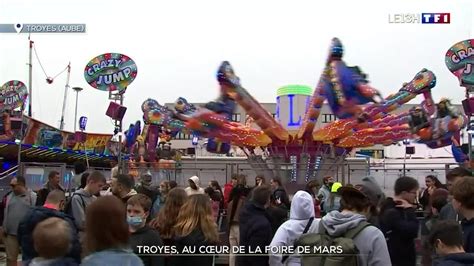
column 355, row 207
column 84, row 197
column 301, row 214
column 374, row 192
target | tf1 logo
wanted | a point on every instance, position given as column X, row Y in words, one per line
column 435, row 18
column 424, row 18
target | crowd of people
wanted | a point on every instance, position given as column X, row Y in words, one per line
column 111, row 222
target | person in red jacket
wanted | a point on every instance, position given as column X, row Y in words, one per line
column 228, row 188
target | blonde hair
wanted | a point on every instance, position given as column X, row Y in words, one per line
column 196, row 213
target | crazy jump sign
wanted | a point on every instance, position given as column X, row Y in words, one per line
column 460, row 61
column 13, row 94
column 110, row 72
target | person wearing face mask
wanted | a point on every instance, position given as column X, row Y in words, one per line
column 53, row 207
column 138, row 210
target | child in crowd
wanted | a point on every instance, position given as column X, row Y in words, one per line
column 446, row 239
column 463, row 203
column 52, row 241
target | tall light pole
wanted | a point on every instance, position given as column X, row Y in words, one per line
column 77, row 90
column 195, row 142
column 30, row 79
column 61, row 125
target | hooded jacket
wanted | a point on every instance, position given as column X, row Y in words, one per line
column 302, row 209
column 130, row 194
column 146, row 236
column 255, row 231
column 370, row 241
column 457, row 259
column 189, row 191
column 28, row 224
column 79, row 202
column 374, row 192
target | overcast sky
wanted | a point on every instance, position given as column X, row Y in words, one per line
column 179, row 44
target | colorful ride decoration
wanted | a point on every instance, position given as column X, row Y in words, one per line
column 110, row 72
column 364, row 117
column 460, row 61
column 13, row 95
column 40, row 134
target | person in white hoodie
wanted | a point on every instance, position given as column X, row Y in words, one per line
column 301, row 214
column 194, row 187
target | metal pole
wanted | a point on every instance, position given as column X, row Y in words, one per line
column 196, row 159
column 21, row 139
column 119, row 124
column 77, row 90
column 85, row 150
column 404, row 161
column 75, row 112
column 30, row 79
column 469, row 130
column 61, row 125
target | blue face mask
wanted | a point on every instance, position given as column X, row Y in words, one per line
column 134, row 221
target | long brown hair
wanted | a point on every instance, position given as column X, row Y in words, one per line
column 196, row 213
column 166, row 219
column 106, row 224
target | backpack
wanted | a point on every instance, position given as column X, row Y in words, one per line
column 68, row 205
column 327, row 250
column 306, row 229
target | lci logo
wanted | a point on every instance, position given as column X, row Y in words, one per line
column 423, row 18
